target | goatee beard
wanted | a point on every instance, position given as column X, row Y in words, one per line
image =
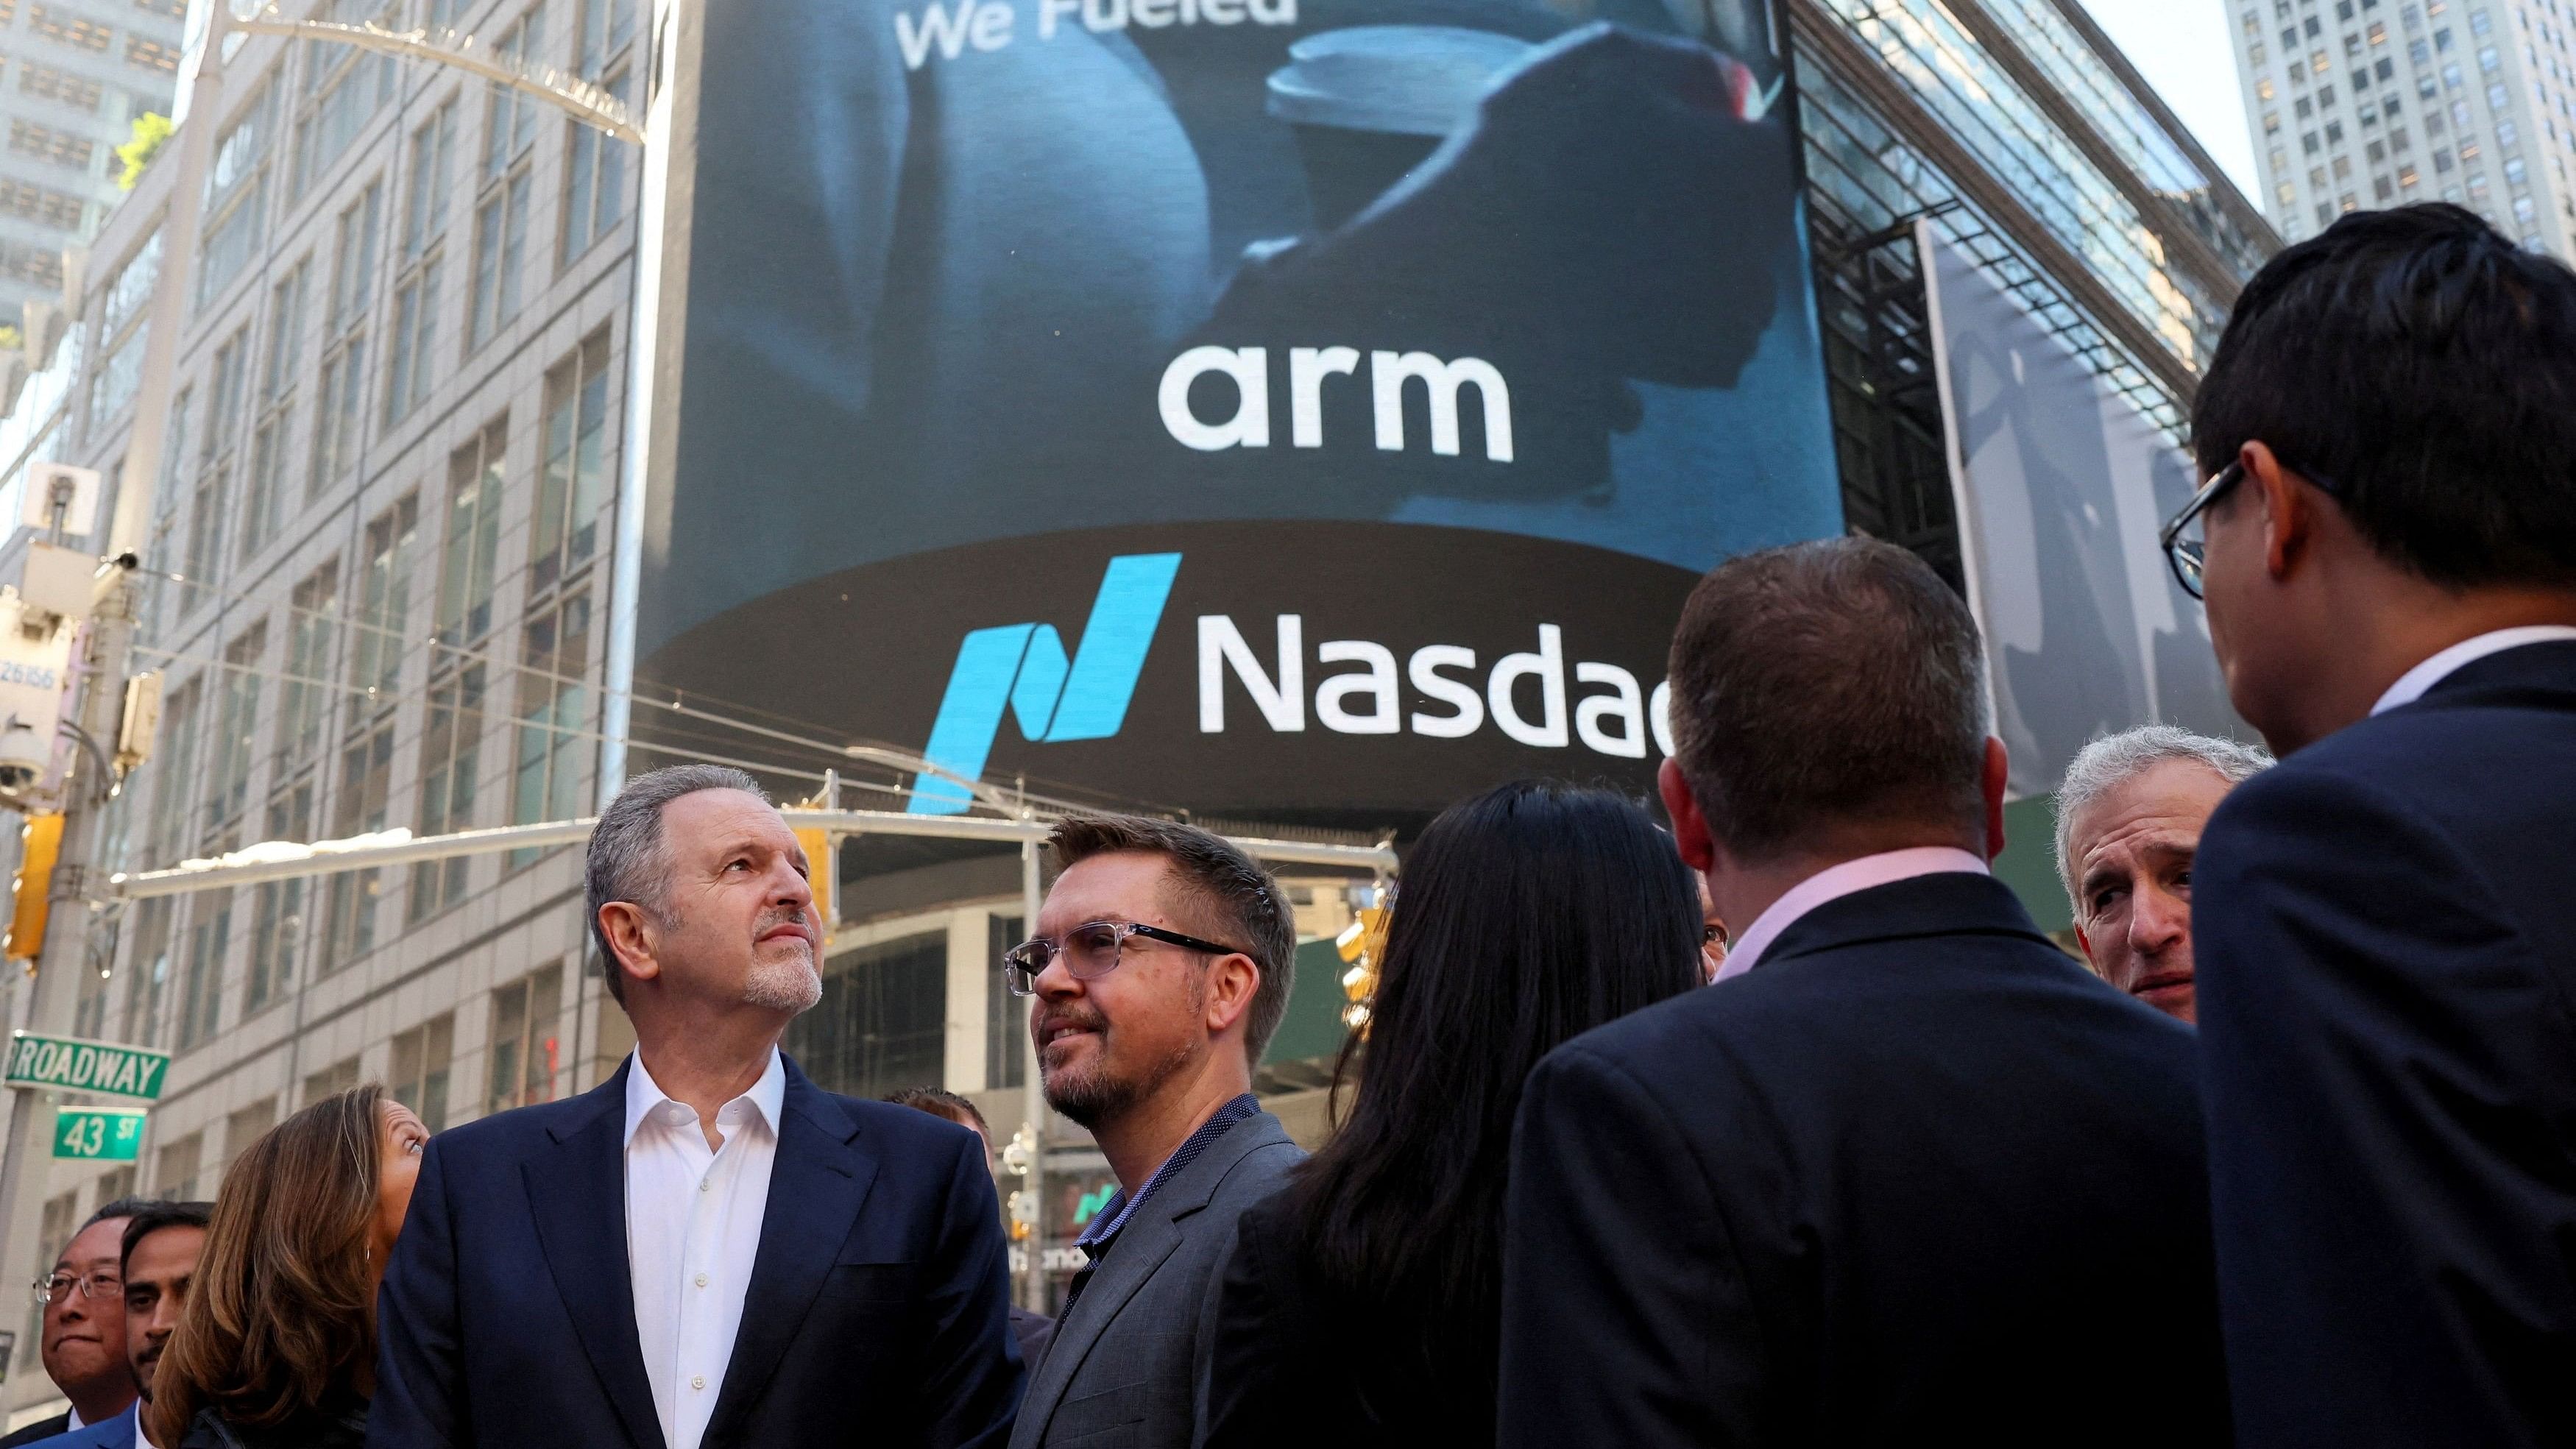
column 1090, row 1098
column 791, row 986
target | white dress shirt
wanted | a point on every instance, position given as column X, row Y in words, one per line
column 2411, row 685
column 1832, row 884
column 692, row 1232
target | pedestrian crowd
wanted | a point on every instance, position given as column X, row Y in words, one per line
column 2292, row 1163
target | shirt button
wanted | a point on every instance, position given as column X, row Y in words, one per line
column 698, row 1382
column 704, row 1184
column 702, row 1280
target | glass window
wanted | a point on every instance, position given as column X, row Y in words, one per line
column 473, row 537
column 882, row 1022
column 554, row 718
column 450, row 748
column 421, row 1057
column 342, row 394
column 416, row 289
column 201, row 984
column 572, row 479
column 236, row 727
column 527, row 1045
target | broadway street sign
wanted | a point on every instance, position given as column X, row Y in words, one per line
column 85, row 1066
column 103, row 1134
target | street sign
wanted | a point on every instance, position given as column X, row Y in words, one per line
column 84, row 1066
column 101, row 1134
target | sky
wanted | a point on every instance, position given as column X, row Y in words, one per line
column 2181, row 47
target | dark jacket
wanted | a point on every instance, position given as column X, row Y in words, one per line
column 1915, row 1178
column 1299, row 1362
column 876, row 1310
column 1132, row 1352
column 2385, row 932
column 342, row 1428
column 39, row 1431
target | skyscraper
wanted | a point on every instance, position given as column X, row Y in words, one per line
column 2369, row 103
column 73, row 76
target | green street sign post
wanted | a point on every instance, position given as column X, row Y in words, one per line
column 73, row 1065
column 100, row 1134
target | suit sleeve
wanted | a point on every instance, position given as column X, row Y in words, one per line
column 1626, row 1316
column 1240, row 1370
column 971, row 1368
column 420, row 1392
column 2386, row 1062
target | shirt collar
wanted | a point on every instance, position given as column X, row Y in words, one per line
column 1833, row 883
column 767, row 1097
column 1113, row 1214
column 2411, row 685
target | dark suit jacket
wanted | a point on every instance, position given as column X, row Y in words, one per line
column 39, row 1431
column 2385, row 930
column 116, row 1433
column 1125, row 1369
column 876, row 1312
column 1916, row 1178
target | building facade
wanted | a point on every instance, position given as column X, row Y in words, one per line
column 378, row 566
column 2370, row 103
column 74, row 74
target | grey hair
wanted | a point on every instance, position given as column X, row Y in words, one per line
column 2113, row 760
column 627, row 862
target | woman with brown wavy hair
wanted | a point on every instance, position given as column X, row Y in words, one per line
column 277, row 1347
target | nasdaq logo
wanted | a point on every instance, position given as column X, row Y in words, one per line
column 1024, row 667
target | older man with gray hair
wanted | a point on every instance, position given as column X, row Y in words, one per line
column 706, row 1248
column 2129, row 817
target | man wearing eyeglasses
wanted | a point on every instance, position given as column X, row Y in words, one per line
column 84, row 1333
column 2385, row 923
column 1161, row 967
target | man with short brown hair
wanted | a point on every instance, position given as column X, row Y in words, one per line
column 1904, row 1172
column 1161, row 966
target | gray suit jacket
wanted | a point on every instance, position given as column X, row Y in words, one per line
column 1124, row 1368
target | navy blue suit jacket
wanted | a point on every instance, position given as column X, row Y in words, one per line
column 1916, row 1178
column 877, row 1312
column 2385, row 932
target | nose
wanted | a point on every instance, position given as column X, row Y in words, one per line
column 788, row 886
column 2158, row 920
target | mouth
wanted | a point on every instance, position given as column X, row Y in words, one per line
column 793, row 930
column 1055, row 1031
column 2159, row 984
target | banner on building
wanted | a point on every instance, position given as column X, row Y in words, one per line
column 2062, row 484
column 1267, row 407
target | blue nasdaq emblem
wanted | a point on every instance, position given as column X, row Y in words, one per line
column 1024, row 666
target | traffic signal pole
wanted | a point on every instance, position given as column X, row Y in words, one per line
column 71, row 919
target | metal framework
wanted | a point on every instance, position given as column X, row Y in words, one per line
column 578, row 98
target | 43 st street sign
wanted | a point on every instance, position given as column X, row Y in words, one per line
column 71, row 1064
column 101, row 1134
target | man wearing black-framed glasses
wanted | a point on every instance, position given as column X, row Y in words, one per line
column 1161, row 965
column 2384, row 930
column 83, row 1300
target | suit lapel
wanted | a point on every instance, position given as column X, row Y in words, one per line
column 577, row 1196
column 817, row 1185
column 1149, row 1238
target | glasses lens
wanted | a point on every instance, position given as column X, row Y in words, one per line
column 1021, row 980
column 1091, row 950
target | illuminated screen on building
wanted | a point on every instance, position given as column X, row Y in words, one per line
column 1274, row 408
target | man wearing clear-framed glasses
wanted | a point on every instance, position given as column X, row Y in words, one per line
column 84, row 1330
column 1161, row 966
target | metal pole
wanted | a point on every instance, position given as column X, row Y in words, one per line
column 25, row 1174
column 1033, row 1282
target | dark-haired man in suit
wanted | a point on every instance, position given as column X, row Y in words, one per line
column 706, row 1250
column 2386, row 923
column 1905, row 1173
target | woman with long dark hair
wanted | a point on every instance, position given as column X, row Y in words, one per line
column 1362, row 1303
column 277, row 1346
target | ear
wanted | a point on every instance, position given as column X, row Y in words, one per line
column 2289, row 510
column 1690, row 828
column 1998, row 773
column 630, row 939
column 1232, row 981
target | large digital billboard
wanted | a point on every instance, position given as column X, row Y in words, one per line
column 1271, row 408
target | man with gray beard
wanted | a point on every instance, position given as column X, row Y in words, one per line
column 679, row 1258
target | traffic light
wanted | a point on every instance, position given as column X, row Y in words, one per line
column 39, row 843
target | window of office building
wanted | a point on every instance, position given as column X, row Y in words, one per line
column 245, row 1125
column 527, row 1048
column 882, row 1022
column 595, row 165
column 341, row 89
column 504, row 193
column 264, row 506
column 1006, row 1017
column 236, row 204
column 174, row 1171
column 424, row 261
column 468, row 552
column 338, row 1077
column 450, row 749
column 554, row 716
column 376, row 656
column 572, row 480
column 236, row 729
column 201, row 977
column 147, row 977
column 72, row 92
column 340, row 401
column 277, row 907
column 421, row 1057
column 210, row 501
column 168, row 836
